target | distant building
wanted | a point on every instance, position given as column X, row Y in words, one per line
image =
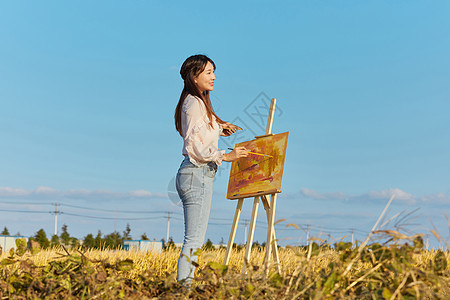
column 142, row 245
column 7, row 242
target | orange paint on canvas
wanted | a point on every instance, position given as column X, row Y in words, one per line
column 257, row 173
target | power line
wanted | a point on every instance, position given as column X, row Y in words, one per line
column 259, row 224
column 33, row 203
column 26, row 211
column 121, row 211
column 108, row 218
column 90, row 208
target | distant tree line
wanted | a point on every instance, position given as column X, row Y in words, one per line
column 113, row 240
column 6, row 232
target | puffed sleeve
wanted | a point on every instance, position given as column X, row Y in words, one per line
column 200, row 139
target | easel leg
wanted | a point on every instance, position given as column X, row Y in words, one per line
column 270, row 230
column 251, row 232
column 274, row 243
column 237, row 214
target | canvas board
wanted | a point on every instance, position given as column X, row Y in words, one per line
column 258, row 174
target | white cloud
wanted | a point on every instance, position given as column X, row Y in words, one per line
column 13, row 192
column 439, row 198
column 140, row 193
column 91, row 194
column 332, row 215
column 77, row 192
column 311, row 194
column 386, row 194
column 44, row 192
column 315, row 195
column 372, row 196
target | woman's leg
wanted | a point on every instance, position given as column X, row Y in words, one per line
column 194, row 185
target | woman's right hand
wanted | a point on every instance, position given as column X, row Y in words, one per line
column 235, row 154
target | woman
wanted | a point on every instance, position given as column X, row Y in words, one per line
column 200, row 127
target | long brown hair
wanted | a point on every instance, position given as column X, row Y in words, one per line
column 191, row 68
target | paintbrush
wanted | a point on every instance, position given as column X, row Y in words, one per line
column 255, row 153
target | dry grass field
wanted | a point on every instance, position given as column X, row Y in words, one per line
column 401, row 270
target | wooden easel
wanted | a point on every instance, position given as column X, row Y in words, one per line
column 271, row 244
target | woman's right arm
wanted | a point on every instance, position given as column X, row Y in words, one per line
column 237, row 153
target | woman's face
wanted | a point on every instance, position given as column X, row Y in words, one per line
column 205, row 80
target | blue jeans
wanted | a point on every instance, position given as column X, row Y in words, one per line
column 194, row 186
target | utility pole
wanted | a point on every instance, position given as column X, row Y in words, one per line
column 56, row 212
column 168, row 226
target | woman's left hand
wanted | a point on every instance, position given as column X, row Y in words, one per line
column 229, row 129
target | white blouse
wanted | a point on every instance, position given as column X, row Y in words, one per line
column 201, row 141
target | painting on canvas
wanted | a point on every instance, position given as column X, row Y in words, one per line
column 257, row 173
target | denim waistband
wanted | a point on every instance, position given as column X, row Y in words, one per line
column 186, row 161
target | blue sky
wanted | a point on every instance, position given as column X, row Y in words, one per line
column 88, row 91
